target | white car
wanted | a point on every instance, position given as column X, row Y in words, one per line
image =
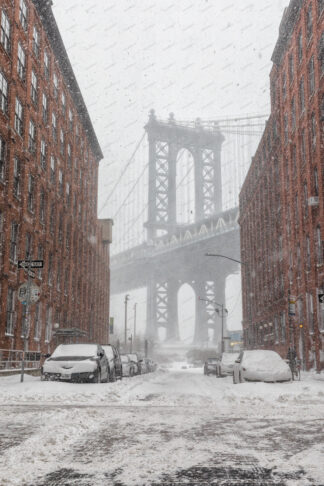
column 225, row 365
column 76, row 362
column 260, row 365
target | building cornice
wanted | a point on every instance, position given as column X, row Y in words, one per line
column 286, row 29
column 44, row 9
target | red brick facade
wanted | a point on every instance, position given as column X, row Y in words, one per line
column 48, row 185
column 281, row 202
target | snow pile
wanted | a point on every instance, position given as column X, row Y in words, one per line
column 76, row 350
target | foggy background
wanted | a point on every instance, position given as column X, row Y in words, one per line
column 196, row 58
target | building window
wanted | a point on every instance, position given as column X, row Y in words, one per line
column 28, row 253
column 316, row 181
column 48, row 325
column 44, row 108
column 313, row 130
column 14, row 242
column 283, row 327
column 308, row 254
column 18, row 117
column 38, row 321
column 293, row 114
column 31, row 194
column 21, row 62
column 55, row 85
column 60, row 176
column 63, row 99
column 60, row 228
column 286, row 127
column 303, row 146
column 66, row 281
column 305, row 200
column 10, row 322
column 310, row 311
column 311, row 76
column 69, row 156
column 33, row 92
column 54, row 128
column 61, row 142
column 319, row 248
column 68, row 235
column 5, row 31
column 50, row 269
column 52, row 219
column 320, row 6
column 52, row 175
column 58, row 278
column 309, row 22
column 43, row 154
column 284, row 85
column 321, row 54
column 46, row 65
column 42, row 207
column 32, row 137
column 70, row 120
column 300, row 46
column 3, row 93
column 2, row 159
column 298, row 261
column 291, row 67
column 23, row 14
column 67, row 191
column 36, row 41
column 302, row 95
column 16, row 178
column 40, row 256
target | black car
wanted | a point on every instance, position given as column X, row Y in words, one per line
column 114, row 361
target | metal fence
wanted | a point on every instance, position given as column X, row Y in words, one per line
column 10, row 359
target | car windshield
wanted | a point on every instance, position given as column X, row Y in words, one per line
column 74, row 352
column 133, row 357
column 124, row 359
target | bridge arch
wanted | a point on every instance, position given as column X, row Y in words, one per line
column 186, row 312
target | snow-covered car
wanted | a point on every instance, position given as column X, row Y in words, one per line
column 76, row 362
column 114, row 362
column 150, row 364
column 128, row 365
column 260, row 365
column 225, row 365
column 210, row 366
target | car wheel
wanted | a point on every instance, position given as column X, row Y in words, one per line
column 241, row 377
column 234, row 381
column 131, row 372
column 113, row 375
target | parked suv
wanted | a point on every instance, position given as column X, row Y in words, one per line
column 76, row 362
column 114, row 362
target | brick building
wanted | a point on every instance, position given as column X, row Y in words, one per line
column 281, row 202
column 49, row 157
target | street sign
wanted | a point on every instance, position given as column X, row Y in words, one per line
column 34, row 293
column 292, row 305
column 30, row 264
column 321, row 298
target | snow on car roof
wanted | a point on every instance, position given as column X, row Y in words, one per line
column 261, row 356
column 75, row 350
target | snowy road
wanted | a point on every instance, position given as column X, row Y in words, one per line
column 171, row 427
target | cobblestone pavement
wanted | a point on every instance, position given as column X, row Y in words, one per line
column 222, row 468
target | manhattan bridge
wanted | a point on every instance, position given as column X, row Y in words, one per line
column 174, row 200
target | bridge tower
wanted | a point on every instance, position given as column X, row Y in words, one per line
column 166, row 139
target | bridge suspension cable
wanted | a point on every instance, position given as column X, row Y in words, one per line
column 122, row 174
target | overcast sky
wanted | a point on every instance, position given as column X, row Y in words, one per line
column 196, row 58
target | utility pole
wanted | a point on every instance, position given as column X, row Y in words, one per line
column 135, row 320
column 125, row 302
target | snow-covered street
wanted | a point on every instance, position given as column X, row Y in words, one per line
column 175, row 426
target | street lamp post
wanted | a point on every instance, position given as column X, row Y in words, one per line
column 125, row 302
column 249, row 304
column 135, row 305
column 223, row 313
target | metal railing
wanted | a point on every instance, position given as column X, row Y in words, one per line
column 10, row 359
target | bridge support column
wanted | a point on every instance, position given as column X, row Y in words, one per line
column 201, row 318
column 162, row 308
